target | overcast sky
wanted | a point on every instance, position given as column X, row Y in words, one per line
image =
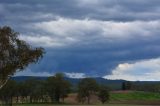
column 115, row 39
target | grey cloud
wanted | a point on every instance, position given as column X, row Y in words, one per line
column 93, row 51
column 86, row 36
column 115, row 10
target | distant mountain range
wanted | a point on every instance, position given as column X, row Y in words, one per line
column 113, row 84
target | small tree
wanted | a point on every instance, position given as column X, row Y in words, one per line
column 57, row 87
column 103, row 94
column 65, row 90
column 15, row 54
column 86, row 88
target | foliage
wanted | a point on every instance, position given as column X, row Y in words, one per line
column 36, row 91
column 15, row 54
column 57, row 87
column 103, row 94
column 86, row 88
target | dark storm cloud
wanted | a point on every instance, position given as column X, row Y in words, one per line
column 86, row 36
column 98, row 61
column 123, row 10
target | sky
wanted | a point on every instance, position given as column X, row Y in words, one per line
column 113, row 39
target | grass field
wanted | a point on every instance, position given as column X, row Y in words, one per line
column 124, row 97
column 131, row 95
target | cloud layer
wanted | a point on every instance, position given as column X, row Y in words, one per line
column 87, row 36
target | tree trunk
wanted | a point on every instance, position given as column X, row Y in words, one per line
column 30, row 99
column 88, row 99
column 57, row 97
column 11, row 102
column 17, row 99
column 3, row 82
column 63, row 99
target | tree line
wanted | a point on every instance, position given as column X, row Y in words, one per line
column 52, row 90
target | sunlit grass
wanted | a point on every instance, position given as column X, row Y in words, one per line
column 135, row 96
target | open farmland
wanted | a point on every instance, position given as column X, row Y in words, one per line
column 117, row 98
column 123, row 97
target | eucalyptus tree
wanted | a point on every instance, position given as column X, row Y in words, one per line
column 15, row 54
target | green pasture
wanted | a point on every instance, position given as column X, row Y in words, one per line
column 135, row 96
